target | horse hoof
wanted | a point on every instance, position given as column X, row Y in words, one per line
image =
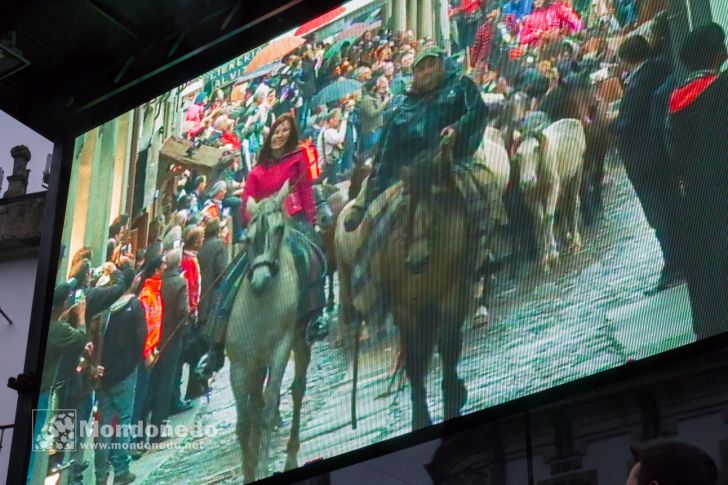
column 482, row 318
column 419, row 424
column 462, row 395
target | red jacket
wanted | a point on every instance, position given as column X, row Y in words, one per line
column 151, row 300
column 468, row 7
column 481, row 47
column 266, row 179
column 191, row 268
column 231, row 138
column 554, row 17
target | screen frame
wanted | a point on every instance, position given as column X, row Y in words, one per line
column 122, row 99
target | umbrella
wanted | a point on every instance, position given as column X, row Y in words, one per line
column 274, row 52
column 335, row 91
column 330, row 30
column 320, row 21
column 262, row 71
column 357, row 30
column 336, row 48
column 373, row 15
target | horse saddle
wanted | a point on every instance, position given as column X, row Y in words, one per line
column 223, row 297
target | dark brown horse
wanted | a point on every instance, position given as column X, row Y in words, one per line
column 578, row 99
column 598, row 142
column 330, row 200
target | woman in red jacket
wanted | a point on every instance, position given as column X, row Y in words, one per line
column 548, row 19
column 283, row 159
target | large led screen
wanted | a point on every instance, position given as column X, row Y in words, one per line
column 397, row 213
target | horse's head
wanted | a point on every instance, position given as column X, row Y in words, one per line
column 428, row 185
column 528, row 159
column 530, row 150
column 515, row 109
column 265, row 238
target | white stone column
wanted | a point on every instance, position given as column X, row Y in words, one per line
column 412, row 17
column 99, row 193
column 399, row 15
column 425, row 22
column 442, row 24
column 387, row 14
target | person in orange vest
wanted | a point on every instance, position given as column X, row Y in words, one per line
column 150, row 297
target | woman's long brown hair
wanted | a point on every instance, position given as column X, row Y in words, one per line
column 265, row 157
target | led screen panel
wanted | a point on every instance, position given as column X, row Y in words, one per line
column 395, row 214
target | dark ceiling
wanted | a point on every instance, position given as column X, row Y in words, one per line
column 91, row 59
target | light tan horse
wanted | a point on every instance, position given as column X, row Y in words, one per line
column 263, row 331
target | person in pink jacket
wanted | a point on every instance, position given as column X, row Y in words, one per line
column 548, row 18
column 283, row 159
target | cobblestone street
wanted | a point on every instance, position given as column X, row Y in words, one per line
column 589, row 314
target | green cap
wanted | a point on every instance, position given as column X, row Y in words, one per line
column 432, row 51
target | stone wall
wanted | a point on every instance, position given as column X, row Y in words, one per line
column 21, row 223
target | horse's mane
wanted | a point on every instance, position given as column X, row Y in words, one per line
column 429, row 170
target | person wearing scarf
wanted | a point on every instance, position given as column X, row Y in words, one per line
column 697, row 137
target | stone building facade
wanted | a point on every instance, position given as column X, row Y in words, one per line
column 425, row 18
column 124, row 151
column 21, row 223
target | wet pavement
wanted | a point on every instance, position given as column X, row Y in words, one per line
column 587, row 315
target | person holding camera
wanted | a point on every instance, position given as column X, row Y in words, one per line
column 119, row 354
column 66, row 335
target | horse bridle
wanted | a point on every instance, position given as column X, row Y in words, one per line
column 264, row 259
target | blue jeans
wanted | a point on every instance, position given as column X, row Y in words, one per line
column 83, row 404
column 117, row 401
column 141, row 404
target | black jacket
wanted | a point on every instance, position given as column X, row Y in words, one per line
column 415, row 123
column 63, row 339
column 308, row 78
column 698, row 138
column 176, row 304
column 213, row 261
column 123, row 341
column 98, row 300
column 658, row 123
column 632, row 125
